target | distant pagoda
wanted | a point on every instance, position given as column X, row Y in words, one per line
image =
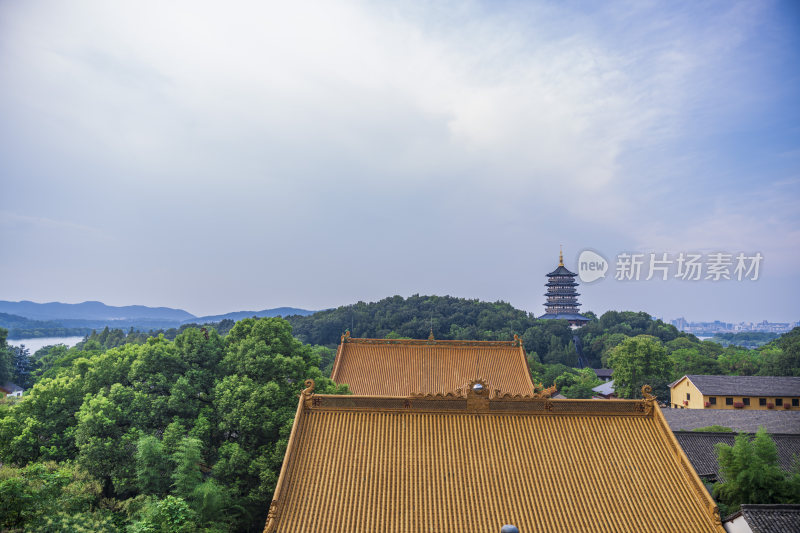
column 562, row 299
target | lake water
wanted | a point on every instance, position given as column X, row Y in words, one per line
column 35, row 344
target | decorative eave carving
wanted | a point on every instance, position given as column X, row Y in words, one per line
column 714, row 510
column 272, row 517
column 453, row 395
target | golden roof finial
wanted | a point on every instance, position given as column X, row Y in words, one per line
column 430, row 337
column 560, row 256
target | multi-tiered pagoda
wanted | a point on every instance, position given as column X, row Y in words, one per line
column 562, row 299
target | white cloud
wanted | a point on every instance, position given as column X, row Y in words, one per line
column 417, row 125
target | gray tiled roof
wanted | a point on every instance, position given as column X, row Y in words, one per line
column 605, row 389
column 603, row 373
column 770, row 518
column 746, row 385
column 699, row 448
column 739, row 420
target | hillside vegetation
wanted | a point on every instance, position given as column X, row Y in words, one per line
column 185, row 430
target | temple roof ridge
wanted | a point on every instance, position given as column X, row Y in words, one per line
column 429, row 342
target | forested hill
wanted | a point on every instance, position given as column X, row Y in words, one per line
column 134, row 432
column 413, row 317
column 20, row 327
column 461, row 318
column 238, row 315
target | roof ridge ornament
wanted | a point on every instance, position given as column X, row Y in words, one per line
column 346, row 335
column 647, row 393
column 560, row 256
column 478, row 395
column 648, row 401
column 307, row 393
column 479, row 388
column 539, row 393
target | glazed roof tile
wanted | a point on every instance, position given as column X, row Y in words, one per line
column 396, row 367
column 473, row 462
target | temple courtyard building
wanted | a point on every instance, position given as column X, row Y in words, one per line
column 736, row 392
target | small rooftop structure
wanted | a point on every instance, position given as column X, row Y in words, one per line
column 402, row 367
column 11, row 389
column 753, row 518
column 603, row 373
column 605, row 390
column 477, row 459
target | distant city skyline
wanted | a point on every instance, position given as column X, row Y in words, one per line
column 256, row 155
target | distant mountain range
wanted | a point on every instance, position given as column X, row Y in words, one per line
column 30, row 319
column 91, row 311
column 238, row 315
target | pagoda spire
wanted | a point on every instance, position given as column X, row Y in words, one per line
column 560, row 256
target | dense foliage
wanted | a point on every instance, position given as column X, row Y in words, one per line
column 111, row 338
column 745, row 339
column 547, row 341
column 752, row 474
column 185, row 429
column 183, row 435
column 639, row 361
column 553, row 347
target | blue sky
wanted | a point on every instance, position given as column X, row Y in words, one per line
column 265, row 154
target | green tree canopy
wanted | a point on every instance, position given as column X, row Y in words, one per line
column 752, row 474
column 638, row 361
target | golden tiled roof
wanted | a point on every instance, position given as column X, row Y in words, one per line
column 396, row 367
column 476, row 460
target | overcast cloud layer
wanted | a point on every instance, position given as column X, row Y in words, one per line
column 245, row 155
